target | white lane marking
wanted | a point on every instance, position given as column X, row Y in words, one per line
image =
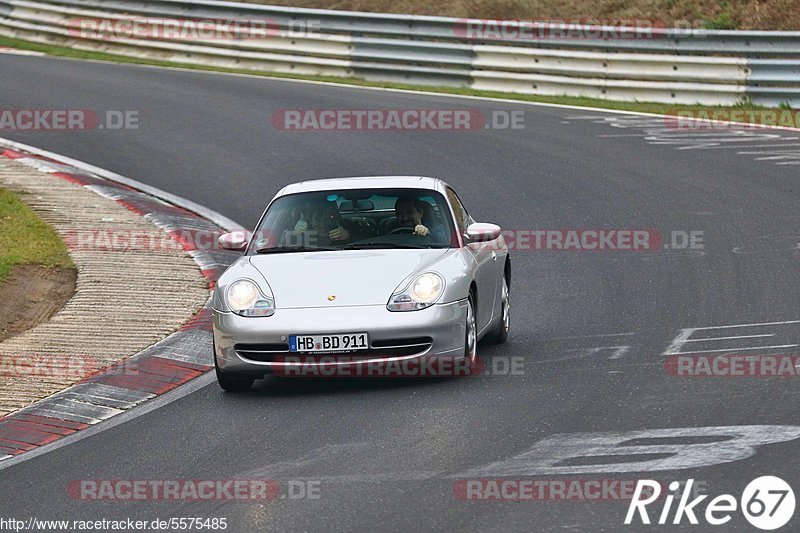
column 621, row 135
column 743, row 137
column 89, row 410
column 104, row 401
column 3, row 458
column 679, row 341
column 775, row 154
column 732, row 350
column 591, row 336
column 581, row 353
column 763, row 146
column 764, row 152
column 718, row 445
column 796, row 156
column 729, row 338
column 700, row 144
column 72, row 417
column 739, row 146
column 750, row 325
column 684, row 337
column 621, row 350
column 375, row 478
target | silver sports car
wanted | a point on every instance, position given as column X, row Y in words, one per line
column 342, row 273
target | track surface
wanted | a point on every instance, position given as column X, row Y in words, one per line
column 387, row 452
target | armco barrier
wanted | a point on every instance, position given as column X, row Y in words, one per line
column 678, row 66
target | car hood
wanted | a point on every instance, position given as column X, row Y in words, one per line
column 353, row 277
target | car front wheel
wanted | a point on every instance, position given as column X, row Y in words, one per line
column 232, row 383
column 500, row 335
column 471, row 337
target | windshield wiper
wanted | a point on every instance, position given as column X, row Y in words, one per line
column 292, row 249
column 390, row 245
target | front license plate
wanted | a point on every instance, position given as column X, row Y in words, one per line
column 349, row 342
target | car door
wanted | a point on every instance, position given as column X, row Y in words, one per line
column 485, row 260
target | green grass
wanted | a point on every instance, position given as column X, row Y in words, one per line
column 745, row 14
column 723, row 21
column 26, row 239
column 642, row 107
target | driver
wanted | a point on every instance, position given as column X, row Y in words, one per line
column 409, row 214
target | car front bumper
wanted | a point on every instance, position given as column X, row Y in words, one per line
column 443, row 324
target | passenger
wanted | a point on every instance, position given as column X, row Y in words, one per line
column 328, row 225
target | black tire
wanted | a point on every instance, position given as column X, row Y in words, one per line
column 500, row 334
column 230, row 383
column 471, row 337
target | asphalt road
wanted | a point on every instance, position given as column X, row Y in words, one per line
column 592, row 328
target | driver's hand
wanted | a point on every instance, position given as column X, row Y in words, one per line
column 339, row 234
column 421, row 230
column 301, row 225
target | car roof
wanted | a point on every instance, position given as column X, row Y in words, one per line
column 365, row 182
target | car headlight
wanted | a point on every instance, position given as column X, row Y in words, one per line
column 245, row 298
column 423, row 291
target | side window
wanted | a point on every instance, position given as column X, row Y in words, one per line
column 463, row 220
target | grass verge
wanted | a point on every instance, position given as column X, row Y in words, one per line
column 26, row 239
column 642, row 107
column 722, row 14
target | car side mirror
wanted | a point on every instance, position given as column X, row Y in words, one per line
column 480, row 232
column 236, row 241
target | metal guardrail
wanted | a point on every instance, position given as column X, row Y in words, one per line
column 662, row 65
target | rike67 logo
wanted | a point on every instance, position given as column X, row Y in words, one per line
column 767, row 502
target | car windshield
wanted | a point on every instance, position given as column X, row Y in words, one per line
column 355, row 219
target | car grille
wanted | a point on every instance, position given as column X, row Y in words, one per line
column 263, row 353
column 266, row 353
column 401, row 347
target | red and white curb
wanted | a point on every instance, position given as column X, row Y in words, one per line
column 176, row 360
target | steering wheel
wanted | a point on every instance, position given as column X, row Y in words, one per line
column 401, row 229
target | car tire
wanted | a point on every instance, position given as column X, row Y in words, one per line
column 471, row 337
column 500, row 334
column 230, row 383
